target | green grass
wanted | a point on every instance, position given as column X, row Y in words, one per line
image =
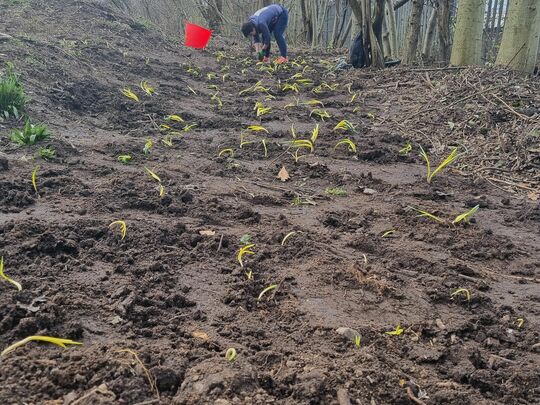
column 336, row 191
column 12, row 98
column 30, row 134
column 47, row 153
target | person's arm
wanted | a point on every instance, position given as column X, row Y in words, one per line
column 265, row 33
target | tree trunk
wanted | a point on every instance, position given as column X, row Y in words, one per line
column 390, row 20
column 307, row 22
column 443, row 30
column 413, row 32
column 519, row 46
column 378, row 21
column 430, row 33
column 212, row 11
column 467, row 47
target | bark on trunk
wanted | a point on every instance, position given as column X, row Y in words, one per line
column 519, row 46
column 467, row 47
column 430, row 33
column 413, row 32
column 443, row 30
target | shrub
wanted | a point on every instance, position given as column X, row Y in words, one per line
column 12, row 98
column 30, row 134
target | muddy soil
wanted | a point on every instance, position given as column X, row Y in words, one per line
column 173, row 293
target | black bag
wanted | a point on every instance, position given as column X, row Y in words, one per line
column 357, row 56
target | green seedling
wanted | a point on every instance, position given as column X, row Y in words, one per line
column 188, row 128
column 245, row 250
column 231, row 354
column 148, row 146
column 303, row 143
column 167, row 141
column 191, row 89
column 12, row 97
column 304, row 82
column 371, row 116
column 349, row 87
column 3, row 275
column 345, row 126
column 174, row 117
column 267, row 289
column 130, row 94
column 396, row 332
column 227, row 151
column 153, row 174
column 125, row 159
column 520, row 322
column 47, row 153
column 211, row 76
column 357, row 340
column 315, row 134
column 245, row 239
column 291, row 87
column 263, row 111
column 462, row 291
column 213, row 87
column 57, row 341
column 215, row 98
column 243, row 141
column 388, row 233
column 466, row 216
column 349, row 143
column 34, row 176
column 353, row 98
column 322, row 114
column 122, row 225
column 428, row 215
column 406, row 149
column 30, row 134
column 263, row 141
column 161, row 191
column 193, row 71
column 449, row 160
column 257, row 128
column 249, row 275
column 336, row 191
column 287, row 237
column 145, row 86
column 313, row 102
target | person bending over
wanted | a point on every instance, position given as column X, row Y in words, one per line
column 261, row 25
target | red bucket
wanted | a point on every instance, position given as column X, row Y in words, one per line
column 197, row 37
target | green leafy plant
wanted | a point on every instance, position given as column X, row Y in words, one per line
column 148, row 146
column 3, row 275
column 34, row 178
column 231, row 354
column 125, row 159
column 47, row 153
column 336, row 191
column 406, row 149
column 466, row 216
column 122, row 225
column 396, row 332
column 130, row 94
column 245, row 250
column 348, row 142
column 462, row 291
column 388, row 233
column 226, row 151
column 12, row 97
column 357, row 340
column 30, row 134
column 146, row 87
column 286, row 237
column 449, row 160
column 423, row 213
column 267, row 289
column 345, row 126
column 57, row 341
column 322, row 114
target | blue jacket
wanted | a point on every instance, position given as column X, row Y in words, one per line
column 265, row 20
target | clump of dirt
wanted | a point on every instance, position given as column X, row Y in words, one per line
column 339, row 239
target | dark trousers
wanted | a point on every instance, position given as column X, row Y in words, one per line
column 279, row 31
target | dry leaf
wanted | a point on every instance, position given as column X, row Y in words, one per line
column 200, row 335
column 533, row 196
column 283, row 174
column 207, row 233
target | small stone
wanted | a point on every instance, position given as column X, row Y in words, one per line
column 349, row 333
column 369, row 191
column 492, row 342
column 536, row 347
column 440, row 324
